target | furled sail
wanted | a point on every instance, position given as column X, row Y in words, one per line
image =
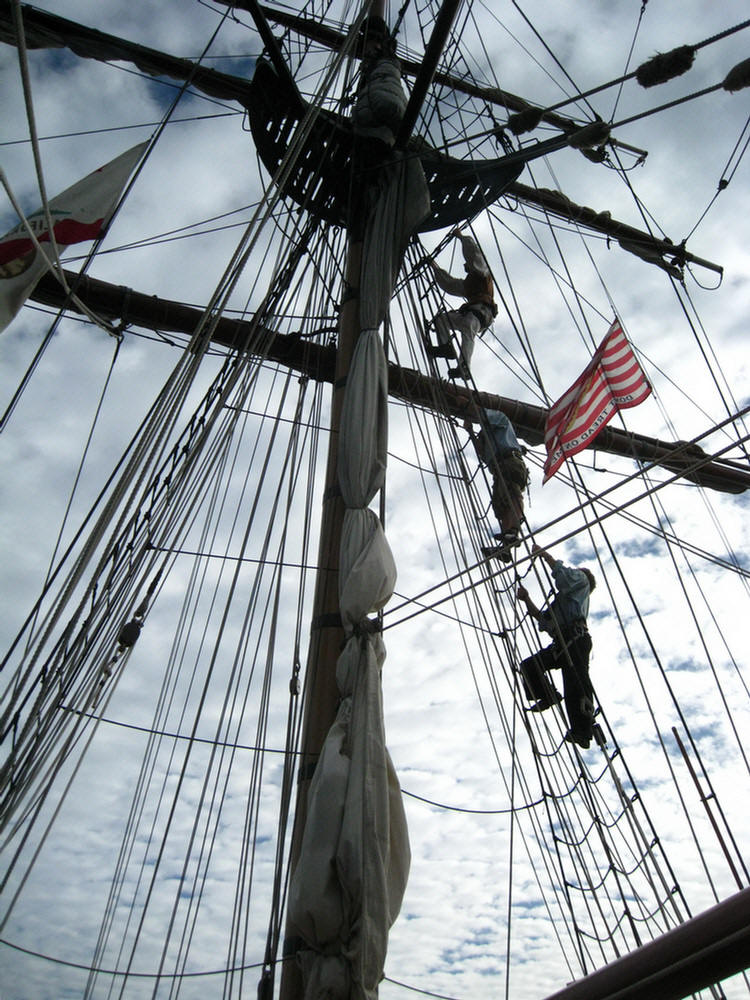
column 347, row 888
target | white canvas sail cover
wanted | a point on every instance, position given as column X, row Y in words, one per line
column 381, row 102
column 363, row 438
column 349, row 883
column 351, row 875
column 403, row 203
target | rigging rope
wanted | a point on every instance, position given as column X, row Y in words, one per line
column 417, row 324
column 588, row 851
column 118, row 128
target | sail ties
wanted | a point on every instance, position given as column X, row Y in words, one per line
column 595, row 134
column 665, row 66
column 738, row 77
column 653, row 255
column 668, row 65
column 525, row 121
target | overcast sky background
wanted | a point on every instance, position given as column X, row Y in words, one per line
column 442, row 721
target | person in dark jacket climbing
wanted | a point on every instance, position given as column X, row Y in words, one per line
column 474, row 316
column 498, row 448
column 565, row 621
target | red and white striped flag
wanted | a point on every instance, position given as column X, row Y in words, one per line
column 80, row 213
column 612, row 381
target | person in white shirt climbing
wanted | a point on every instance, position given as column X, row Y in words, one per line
column 474, row 316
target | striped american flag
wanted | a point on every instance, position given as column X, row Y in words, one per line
column 612, row 381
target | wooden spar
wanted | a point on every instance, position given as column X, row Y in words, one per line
column 116, row 302
column 48, row 31
column 326, row 631
column 45, row 30
column 629, row 237
column 690, row 957
column 271, row 46
column 433, row 51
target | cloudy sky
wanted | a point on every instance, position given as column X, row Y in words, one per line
column 667, row 617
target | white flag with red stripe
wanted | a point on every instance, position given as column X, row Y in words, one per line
column 80, row 213
column 613, row 380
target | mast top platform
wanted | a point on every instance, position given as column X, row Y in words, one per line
column 319, row 179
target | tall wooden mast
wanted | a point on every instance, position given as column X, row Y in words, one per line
column 327, row 634
column 326, row 631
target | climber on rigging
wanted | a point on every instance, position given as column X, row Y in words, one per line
column 565, row 621
column 474, row 316
column 498, row 448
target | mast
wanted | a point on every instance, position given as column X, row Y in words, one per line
column 326, row 632
column 328, row 638
column 326, row 629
